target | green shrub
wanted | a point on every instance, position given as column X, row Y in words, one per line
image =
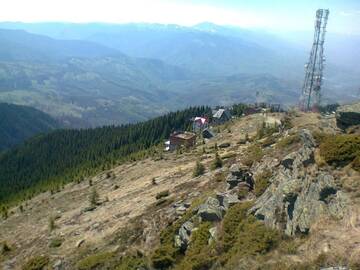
column 199, row 255
column 288, row 141
column 290, row 245
column 217, row 163
column 199, row 169
column 162, row 194
column 266, row 130
column 36, row 263
column 4, row 248
column 340, row 149
column 233, row 217
column 286, row 122
column 166, row 254
column 56, row 242
column 94, row 198
column 51, row 225
column 262, row 182
column 219, row 177
column 132, row 262
column 253, row 154
column 95, row 261
column 243, row 192
column 244, row 236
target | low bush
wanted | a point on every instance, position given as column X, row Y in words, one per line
column 199, row 255
column 199, row 169
column 266, row 130
column 290, row 245
column 36, row 263
column 286, row 122
column 340, row 150
column 51, row 224
column 233, row 217
column 96, row 261
column 219, row 177
column 262, row 182
column 167, row 254
column 217, row 163
column 253, row 154
column 242, row 194
column 56, row 242
column 288, row 141
column 162, row 194
column 130, row 262
column 4, row 248
column 244, row 236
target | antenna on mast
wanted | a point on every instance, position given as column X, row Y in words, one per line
column 311, row 91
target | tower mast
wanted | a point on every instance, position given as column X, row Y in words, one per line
column 311, row 91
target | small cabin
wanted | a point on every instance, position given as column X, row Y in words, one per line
column 221, row 116
column 200, row 123
column 181, row 139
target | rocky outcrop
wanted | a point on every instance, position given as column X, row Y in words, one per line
column 211, row 210
column 348, row 115
column 298, row 196
column 239, row 174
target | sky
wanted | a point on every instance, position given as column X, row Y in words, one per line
column 277, row 15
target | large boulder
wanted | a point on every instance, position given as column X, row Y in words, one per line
column 227, row 200
column 211, row 210
column 297, row 197
column 237, row 175
column 348, row 115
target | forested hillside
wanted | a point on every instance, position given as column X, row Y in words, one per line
column 18, row 123
column 48, row 161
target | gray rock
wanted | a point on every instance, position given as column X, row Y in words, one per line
column 238, row 175
column 182, row 239
column 296, row 199
column 89, row 209
column 335, row 268
column 181, row 210
column 187, row 204
column 232, row 181
column 213, row 234
column 348, row 115
column 226, row 200
column 211, row 210
column 80, row 242
column 224, row 145
column 236, row 170
column 58, row 265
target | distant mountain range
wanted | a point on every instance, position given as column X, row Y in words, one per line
column 99, row 74
column 18, row 123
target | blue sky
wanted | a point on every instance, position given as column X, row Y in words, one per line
column 277, row 15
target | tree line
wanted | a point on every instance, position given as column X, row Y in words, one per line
column 48, row 161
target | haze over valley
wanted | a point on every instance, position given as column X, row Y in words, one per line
column 94, row 74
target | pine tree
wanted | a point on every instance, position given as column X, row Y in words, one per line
column 94, row 198
column 217, row 163
column 51, row 223
column 199, row 169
